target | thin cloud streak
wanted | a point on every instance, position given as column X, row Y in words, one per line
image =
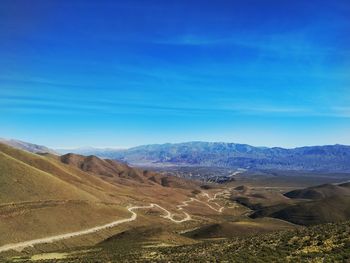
column 273, row 43
column 42, row 105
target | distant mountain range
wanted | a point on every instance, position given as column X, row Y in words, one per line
column 334, row 158
column 110, row 153
column 26, row 146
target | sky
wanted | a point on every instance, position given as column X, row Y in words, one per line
column 126, row 73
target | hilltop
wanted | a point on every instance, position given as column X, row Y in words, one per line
column 320, row 191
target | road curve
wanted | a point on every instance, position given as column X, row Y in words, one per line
column 168, row 215
column 21, row 245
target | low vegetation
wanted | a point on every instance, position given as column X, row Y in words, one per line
column 321, row 243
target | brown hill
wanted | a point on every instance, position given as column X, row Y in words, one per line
column 258, row 198
column 332, row 209
column 53, row 166
column 44, row 195
column 319, row 204
column 239, row 228
column 21, row 182
column 120, row 173
column 320, row 192
column 108, row 168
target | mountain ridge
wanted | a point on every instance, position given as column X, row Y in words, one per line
column 26, row 146
column 335, row 158
column 324, row 158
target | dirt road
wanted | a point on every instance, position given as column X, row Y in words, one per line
column 168, row 215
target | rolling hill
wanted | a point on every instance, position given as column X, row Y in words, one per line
column 332, row 209
column 320, row 192
column 45, row 195
column 104, row 168
column 120, row 173
column 20, row 182
column 238, row 228
column 316, row 205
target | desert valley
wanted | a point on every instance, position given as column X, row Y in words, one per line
column 79, row 208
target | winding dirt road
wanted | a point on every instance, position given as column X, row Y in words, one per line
column 168, row 215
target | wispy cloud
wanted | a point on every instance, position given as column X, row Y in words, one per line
column 278, row 43
column 341, row 111
column 195, row 40
column 43, row 105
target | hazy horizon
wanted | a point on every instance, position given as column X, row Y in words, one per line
column 122, row 74
column 128, row 147
column 116, row 147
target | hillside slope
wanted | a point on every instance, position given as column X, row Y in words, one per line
column 314, row 205
column 108, row 168
column 21, row 182
column 46, row 195
column 333, row 209
column 321, row 191
column 321, row 243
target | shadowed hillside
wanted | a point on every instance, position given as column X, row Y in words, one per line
column 332, row 209
column 321, row 191
column 316, row 205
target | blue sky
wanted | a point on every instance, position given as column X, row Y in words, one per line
column 124, row 73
